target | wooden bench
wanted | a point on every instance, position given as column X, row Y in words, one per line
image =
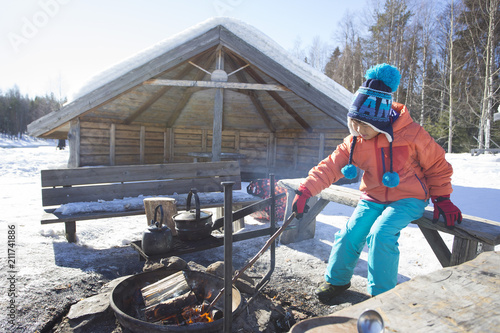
column 477, row 152
column 467, row 235
column 101, row 185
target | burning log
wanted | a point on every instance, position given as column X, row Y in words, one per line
column 172, row 301
column 169, row 287
column 169, row 309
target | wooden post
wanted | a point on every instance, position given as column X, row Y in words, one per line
column 112, row 144
column 70, row 227
column 169, row 210
column 321, row 152
column 463, row 250
column 166, row 146
column 295, row 154
column 305, row 227
column 218, row 111
column 142, row 144
column 74, row 144
column 204, row 139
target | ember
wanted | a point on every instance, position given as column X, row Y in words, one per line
column 193, row 314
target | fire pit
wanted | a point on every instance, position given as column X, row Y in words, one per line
column 127, row 303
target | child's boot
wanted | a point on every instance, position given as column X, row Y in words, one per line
column 327, row 291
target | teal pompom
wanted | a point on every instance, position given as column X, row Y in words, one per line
column 390, row 179
column 386, row 73
column 349, row 171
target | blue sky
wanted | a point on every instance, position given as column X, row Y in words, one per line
column 56, row 45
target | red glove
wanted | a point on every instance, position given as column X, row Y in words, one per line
column 443, row 206
column 299, row 202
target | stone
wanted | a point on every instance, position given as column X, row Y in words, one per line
column 108, row 287
column 196, row 267
column 244, row 282
column 90, row 306
column 217, row 268
column 173, row 262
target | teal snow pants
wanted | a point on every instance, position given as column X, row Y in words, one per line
column 379, row 225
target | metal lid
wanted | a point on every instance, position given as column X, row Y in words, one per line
column 157, row 227
column 190, row 216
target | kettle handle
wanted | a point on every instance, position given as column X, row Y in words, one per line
column 197, row 202
column 155, row 221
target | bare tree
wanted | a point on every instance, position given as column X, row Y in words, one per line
column 450, row 100
column 487, row 105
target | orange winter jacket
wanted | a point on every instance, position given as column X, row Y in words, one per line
column 419, row 161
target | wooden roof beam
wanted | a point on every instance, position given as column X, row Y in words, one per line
column 180, row 106
column 277, row 98
column 252, row 94
column 187, row 94
column 146, row 105
column 217, row 84
column 160, row 93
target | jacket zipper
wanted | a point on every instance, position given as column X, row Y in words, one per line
column 383, row 169
column 422, row 184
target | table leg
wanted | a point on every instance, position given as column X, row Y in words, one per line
column 305, row 227
column 463, row 250
column 437, row 245
column 70, row 231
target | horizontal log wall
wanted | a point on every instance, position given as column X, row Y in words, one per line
column 298, row 152
column 286, row 153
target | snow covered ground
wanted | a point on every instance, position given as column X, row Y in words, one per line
column 45, row 264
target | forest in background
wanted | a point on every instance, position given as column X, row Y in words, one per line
column 448, row 55
column 447, row 52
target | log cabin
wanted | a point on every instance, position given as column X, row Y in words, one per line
column 218, row 90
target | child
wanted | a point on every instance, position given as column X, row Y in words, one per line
column 403, row 167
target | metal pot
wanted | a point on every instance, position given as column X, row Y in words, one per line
column 157, row 239
column 193, row 224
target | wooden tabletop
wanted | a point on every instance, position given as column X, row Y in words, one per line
column 463, row 298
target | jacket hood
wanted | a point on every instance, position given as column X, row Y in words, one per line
column 404, row 118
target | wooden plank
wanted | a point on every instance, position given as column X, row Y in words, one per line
column 94, row 133
column 290, row 110
column 112, row 144
column 62, row 195
column 321, row 148
column 217, row 125
column 253, row 96
column 94, row 125
column 111, row 174
column 158, row 95
column 461, row 298
column 142, row 144
column 463, row 250
column 217, row 85
column 74, row 144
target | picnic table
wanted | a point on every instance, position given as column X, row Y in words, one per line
column 462, row 298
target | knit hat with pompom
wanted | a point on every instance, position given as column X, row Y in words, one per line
column 372, row 105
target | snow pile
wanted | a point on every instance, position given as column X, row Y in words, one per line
column 247, row 33
column 137, row 203
column 9, row 141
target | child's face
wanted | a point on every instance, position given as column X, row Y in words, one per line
column 365, row 131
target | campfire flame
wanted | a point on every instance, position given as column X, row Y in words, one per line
column 196, row 315
column 190, row 315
